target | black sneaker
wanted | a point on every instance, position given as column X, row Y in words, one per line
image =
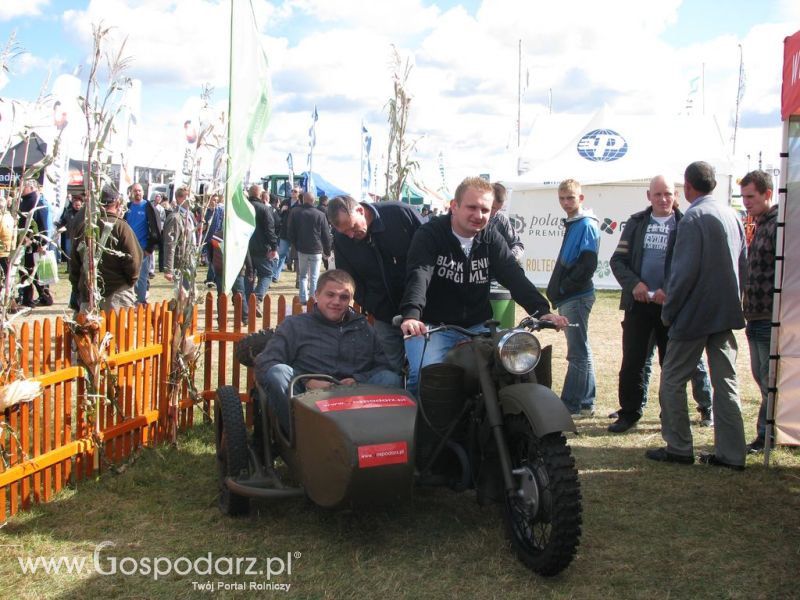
column 711, row 459
column 706, row 418
column 621, row 425
column 756, row 446
column 663, row 455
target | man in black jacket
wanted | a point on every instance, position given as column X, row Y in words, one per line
column 640, row 264
column 32, row 202
column 66, row 227
column 284, row 246
column 449, row 266
column 263, row 246
column 371, row 243
column 500, row 222
column 645, row 235
column 310, row 234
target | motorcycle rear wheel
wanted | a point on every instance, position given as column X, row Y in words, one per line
column 231, row 443
column 543, row 520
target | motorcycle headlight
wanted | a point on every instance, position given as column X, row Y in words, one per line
column 519, row 352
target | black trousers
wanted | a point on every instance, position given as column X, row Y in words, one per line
column 27, row 291
column 640, row 322
column 161, row 255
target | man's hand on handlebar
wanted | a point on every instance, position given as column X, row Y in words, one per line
column 557, row 320
column 317, row 384
column 413, row 327
column 321, row 384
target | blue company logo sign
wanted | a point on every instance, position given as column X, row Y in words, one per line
column 602, row 145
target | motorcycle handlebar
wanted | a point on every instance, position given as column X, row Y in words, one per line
column 531, row 323
column 535, row 324
column 397, row 320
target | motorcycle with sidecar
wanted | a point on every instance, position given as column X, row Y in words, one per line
column 486, row 419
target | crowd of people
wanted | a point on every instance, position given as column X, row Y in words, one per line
column 687, row 279
column 687, row 282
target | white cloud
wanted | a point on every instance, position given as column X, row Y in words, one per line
column 397, row 19
column 176, row 44
column 464, row 79
column 789, row 10
column 11, row 9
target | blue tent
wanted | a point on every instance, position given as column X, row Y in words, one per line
column 322, row 185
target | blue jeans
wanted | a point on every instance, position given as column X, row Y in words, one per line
column 283, row 252
column 263, row 275
column 421, row 354
column 143, row 283
column 276, row 382
column 391, row 340
column 308, row 266
column 579, row 385
column 758, row 338
column 238, row 287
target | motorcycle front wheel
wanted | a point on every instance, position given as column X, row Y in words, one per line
column 543, row 516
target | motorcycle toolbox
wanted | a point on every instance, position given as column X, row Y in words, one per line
column 354, row 445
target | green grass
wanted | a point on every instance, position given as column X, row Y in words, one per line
column 650, row 530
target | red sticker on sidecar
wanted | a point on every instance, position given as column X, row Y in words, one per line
column 359, row 402
column 377, row 455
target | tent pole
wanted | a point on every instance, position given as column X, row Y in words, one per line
column 774, row 357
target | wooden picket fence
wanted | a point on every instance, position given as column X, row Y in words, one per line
column 48, row 444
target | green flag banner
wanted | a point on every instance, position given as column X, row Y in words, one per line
column 248, row 114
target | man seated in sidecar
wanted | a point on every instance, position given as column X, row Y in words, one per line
column 332, row 339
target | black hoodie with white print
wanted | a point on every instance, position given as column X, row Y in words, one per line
column 443, row 285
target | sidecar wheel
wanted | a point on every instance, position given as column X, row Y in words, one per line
column 543, row 520
column 231, row 441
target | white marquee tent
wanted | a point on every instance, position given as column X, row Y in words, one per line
column 783, row 408
column 613, row 157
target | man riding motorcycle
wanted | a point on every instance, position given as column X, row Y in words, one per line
column 450, row 264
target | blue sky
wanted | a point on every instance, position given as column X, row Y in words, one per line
column 637, row 56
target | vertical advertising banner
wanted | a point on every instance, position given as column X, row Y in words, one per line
column 126, row 135
column 66, row 117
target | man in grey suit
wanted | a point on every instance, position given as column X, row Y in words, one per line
column 702, row 308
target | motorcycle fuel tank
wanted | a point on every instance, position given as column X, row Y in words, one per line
column 355, row 445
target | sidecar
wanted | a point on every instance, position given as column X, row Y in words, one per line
column 347, row 446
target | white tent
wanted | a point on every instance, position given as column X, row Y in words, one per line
column 613, row 157
column 783, row 406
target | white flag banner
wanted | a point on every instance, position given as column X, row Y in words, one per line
column 311, row 188
column 67, row 122
column 366, row 164
column 249, row 96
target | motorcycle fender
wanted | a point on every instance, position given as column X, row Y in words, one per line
column 542, row 407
